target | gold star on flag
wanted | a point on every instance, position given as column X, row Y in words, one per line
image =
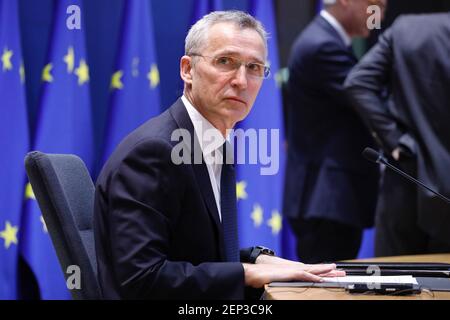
column 240, row 190
column 281, row 77
column 22, row 73
column 153, row 76
column 29, row 194
column 6, row 59
column 116, row 81
column 69, row 59
column 82, row 72
column 9, row 234
column 44, row 226
column 257, row 215
column 46, row 73
column 275, row 222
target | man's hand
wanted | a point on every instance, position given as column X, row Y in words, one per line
column 277, row 269
column 262, row 258
column 396, row 153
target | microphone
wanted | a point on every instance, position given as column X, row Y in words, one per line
column 374, row 156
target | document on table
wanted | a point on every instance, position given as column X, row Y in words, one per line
column 373, row 279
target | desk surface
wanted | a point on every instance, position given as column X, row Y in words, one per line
column 289, row 293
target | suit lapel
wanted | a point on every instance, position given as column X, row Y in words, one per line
column 179, row 113
column 325, row 25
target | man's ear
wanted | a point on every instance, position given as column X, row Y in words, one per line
column 186, row 69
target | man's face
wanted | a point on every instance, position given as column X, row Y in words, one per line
column 224, row 98
column 359, row 15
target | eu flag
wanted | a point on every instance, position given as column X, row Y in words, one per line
column 64, row 126
column 14, row 144
column 259, row 186
column 135, row 82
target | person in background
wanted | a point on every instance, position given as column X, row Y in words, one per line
column 330, row 190
column 411, row 63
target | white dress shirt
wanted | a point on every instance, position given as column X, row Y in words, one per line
column 337, row 26
column 210, row 151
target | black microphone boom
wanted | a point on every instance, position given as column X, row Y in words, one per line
column 374, row 156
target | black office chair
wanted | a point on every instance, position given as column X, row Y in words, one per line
column 65, row 193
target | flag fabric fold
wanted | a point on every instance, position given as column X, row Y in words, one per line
column 64, row 125
column 14, row 144
column 134, row 96
column 203, row 7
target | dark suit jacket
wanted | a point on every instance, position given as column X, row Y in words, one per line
column 326, row 175
column 411, row 59
column 157, row 228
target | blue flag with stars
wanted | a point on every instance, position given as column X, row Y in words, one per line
column 14, row 144
column 259, row 187
column 134, row 88
column 64, row 126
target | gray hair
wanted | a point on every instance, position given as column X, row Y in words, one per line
column 195, row 40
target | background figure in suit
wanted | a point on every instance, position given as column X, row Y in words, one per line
column 166, row 228
column 330, row 190
column 411, row 62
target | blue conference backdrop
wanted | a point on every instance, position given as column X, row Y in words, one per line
column 103, row 66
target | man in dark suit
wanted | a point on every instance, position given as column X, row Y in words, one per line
column 411, row 62
column 330, row 191
column 165, row 209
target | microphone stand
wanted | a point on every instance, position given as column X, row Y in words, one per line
column 407, row 176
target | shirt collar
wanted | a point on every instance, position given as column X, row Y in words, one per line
column 204, row 129
column 337, row 26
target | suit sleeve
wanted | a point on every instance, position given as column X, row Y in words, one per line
column 329, row 69
column 366, row 85
column 144, row 198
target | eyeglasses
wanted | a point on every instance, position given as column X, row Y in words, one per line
column 229, row 64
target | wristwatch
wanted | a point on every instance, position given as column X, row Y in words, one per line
column 256, row 251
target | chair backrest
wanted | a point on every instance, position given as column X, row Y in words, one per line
column 65, row 193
